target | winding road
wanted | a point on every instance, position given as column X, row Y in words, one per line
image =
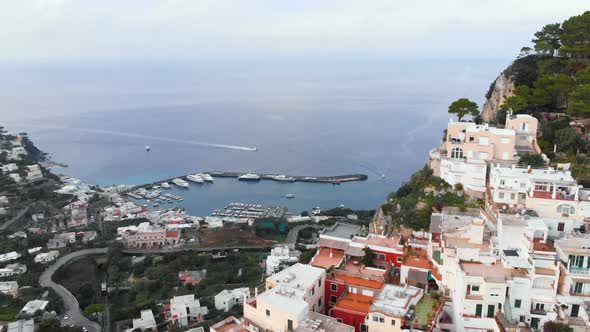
column 76, row 317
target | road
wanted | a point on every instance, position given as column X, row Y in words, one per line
column 293, row 232
column 76, row 317
column 19, row 215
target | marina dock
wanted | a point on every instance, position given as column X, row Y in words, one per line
column 337, row 179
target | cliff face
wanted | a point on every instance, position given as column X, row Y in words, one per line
column 502, row 88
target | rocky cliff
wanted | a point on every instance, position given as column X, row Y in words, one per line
column 501, row 89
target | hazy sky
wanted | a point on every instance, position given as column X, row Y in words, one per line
column 62, row 30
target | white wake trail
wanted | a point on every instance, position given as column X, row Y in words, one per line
column 154, row 138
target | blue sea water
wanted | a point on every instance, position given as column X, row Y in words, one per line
column 304, row 117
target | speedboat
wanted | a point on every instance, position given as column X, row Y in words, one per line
column 289, row 196
column 147, row 148
column 195, row 178
column 283, row 178
column 165, row 185
column 207, row 177
column 180, row 183
column 249, row 177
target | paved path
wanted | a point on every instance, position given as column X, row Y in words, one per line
column 76, row 317
column 19, row 215
column 292, row 235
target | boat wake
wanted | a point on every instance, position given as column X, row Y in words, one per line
column 154, row 138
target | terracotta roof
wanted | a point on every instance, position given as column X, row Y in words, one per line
column 358, row 281
column 323, row 259
column 539, row 246
column 172, row 233
column 355, row 302
column 342, row 245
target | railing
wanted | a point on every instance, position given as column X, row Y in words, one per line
column 579, row 270
column 538, row 311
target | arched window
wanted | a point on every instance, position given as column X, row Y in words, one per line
column 457, row 153
column 566, row 209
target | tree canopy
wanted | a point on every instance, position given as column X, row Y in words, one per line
column 462, row 107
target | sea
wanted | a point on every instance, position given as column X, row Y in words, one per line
column 316, row 117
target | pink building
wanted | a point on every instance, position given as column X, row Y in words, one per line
column 149, row 236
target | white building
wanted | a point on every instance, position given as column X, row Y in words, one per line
column 21, row 326
column 9, row 288
column 9, row 256
column 280, row 257
column 186, row 309
column 13, row 269
column 227, row 299
column 34, row 173
column 15, row 177
column 9, row 168
column 33, row 306
column 46, row 257
column 145, row 322
column 388, row 310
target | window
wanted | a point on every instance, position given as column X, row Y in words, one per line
column 566, row 209
column 267, row 313
column 517, row 303
column 339, row 320
column 320, row 282
column 333, row 299
column 501, row 195
column 313, row 290
column 522, row 138
column 475, row 288
column 502, row 182
column 457, row 153
column 399, row 259
column 364, row 328
column 393, row 322
column 320, row 302
column 560, row 227
column 522, row 318
column 471, row 139
column 289, row 325
column 333, row 287
column 382, row 257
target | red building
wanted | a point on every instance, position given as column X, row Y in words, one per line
column 349, row 296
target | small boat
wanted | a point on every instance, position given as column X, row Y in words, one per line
column 206, row 177
column 289, row 196
column 283, row 178
column 147, row 148
column 165, row 185
column 195, row 178
column 180, row 183
column 249, row 177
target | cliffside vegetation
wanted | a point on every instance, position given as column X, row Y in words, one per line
column 413, row 203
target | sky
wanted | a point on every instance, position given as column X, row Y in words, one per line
column 79, row 30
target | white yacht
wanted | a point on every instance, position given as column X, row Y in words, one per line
column 207, row 177
column 283, row 178
column 249, row 177
column 180, row 182
column 165, row 185
column 289, row 196
column 195, row 178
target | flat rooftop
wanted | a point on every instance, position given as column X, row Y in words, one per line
column 230, row 324
column 492, row 272
column 355, row 302
column 317, row 322
column 396, row 300
column 342, row 230
column 358, row 281
column 579, row 244
column 327, row 258
column 298, row 276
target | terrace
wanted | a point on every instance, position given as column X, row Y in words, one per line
column 327, row 258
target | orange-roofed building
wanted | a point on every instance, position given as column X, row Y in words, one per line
column 348, row 295
column 417, row 269
column 351, row 309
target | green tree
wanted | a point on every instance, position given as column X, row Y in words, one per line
column 367, row 259
column 566, row 139
column 93, row 308
column 547, row 40
column 575, row 36
column 552, row 326
column 462, row 107
column 531, row 159
column 580, row 100
column 557, row 88
column 583, row 76
column 515, row 103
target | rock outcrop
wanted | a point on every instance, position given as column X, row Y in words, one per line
column 501, row 89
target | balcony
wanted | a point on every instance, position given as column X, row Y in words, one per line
column 582, row 271
column 541, row 312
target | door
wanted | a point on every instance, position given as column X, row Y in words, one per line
column 491, row 308
column 289, row 325
column 575, row 310
column 478, row 310
column 578, row 287
column 534, row 322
